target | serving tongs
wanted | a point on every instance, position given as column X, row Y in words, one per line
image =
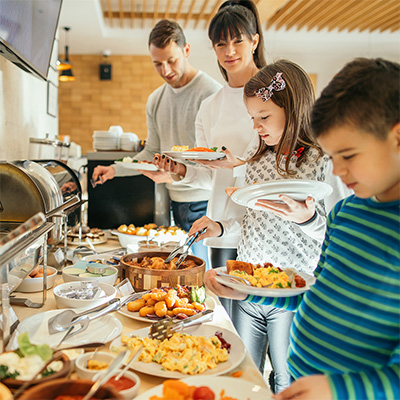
column 165, row 328
column 68, row 319
column 184, row 249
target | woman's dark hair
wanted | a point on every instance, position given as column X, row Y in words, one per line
column 165, row 32
column 364, row 94
column 296, row 99
column 233, row 19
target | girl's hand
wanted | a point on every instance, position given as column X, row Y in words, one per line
column 166, row 164
column 229, row 162
column 230, row 190
column 221, row 290
column 291, row 210
column 313, row 387
column 213, row 229
column 157, row 176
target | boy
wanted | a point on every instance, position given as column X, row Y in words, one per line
column 345, row 334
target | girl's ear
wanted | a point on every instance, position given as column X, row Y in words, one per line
column 256, row 39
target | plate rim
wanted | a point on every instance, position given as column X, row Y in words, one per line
column 130, row 165
column 256, row 290
column 138, row 365
column 194, row 155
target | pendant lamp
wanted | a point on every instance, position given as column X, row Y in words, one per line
column 65, row 66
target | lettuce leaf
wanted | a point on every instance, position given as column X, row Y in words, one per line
column 27, row 348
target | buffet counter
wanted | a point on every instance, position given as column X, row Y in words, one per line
column 247, row 367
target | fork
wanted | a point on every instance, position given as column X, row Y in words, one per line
column 165, row 328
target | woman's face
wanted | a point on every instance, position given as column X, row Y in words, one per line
column 235, row 54
column 268, row 119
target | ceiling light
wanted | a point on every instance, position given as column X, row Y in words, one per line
column 65, row 65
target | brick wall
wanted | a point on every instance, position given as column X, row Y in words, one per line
column 89, row 104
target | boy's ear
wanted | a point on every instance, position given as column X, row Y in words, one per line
column 395, row 131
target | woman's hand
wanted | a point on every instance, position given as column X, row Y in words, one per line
column 229, row 162
column 313, row 387
column 213, row 229
column 166, row 164
column 106, row 173
column 221, row 290
column 291, row 210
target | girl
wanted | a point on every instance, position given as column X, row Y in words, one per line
column 237, row 39
column 279, row 100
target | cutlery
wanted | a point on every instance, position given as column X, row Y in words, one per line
column 117, row 362
column 127, row 366
column 236, row 278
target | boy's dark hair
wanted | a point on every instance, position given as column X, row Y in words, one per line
column 236, row 17
column 165, row 32
column 296, row 99
column 364, row 94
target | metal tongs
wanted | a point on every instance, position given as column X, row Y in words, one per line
column 69, row 319
column 165, row 328
column 180, row 249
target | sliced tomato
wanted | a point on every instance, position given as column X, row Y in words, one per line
column 203, row 393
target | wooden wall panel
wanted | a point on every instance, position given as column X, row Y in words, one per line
column 89, row 104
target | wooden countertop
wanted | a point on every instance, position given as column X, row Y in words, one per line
column 221, row 319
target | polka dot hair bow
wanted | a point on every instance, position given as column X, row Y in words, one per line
column 276, row 84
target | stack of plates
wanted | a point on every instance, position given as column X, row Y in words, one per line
column 129, row 141
column 105, row 140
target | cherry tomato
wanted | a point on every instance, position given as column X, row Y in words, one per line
column 203, row 393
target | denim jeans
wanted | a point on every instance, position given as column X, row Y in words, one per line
column 184, row 216
column 259, row 326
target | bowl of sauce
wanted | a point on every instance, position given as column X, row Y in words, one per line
column 127, row 385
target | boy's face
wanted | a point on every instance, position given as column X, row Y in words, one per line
column 171, row 63
column 365, row 164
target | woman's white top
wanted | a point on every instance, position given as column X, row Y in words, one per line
column 222, row 120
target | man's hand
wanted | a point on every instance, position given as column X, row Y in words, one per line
column 289, row 209
column 313, row 387
column 213, row 229
column 106, row 173
column 221, row 290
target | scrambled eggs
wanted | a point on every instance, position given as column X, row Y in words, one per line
column 265, row 277
column 183, row 353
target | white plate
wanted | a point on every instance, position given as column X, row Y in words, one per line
column 103, row 329
column 210, row 305
column 194, row 155
column 297, row 189
column 265, row 292
column 236, row 354
column 234, row 387
column 137, row 166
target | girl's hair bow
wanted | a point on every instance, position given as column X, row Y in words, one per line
column 276, row 84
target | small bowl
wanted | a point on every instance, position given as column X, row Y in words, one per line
column 30, row 285
column 64, row 302
column 132, row 391
column 81, row 362
column 72, row 387
column 110, row 279
column 64, row 371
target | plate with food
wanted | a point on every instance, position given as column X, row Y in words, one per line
column 103, row 329
column 95, row 235
column 264, row 280
column 166, row 302
column 195, row 153
column 215, row 387
column 130, row 163
column 297, row 189
column 206, row 350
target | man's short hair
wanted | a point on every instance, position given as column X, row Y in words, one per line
column 165, row 32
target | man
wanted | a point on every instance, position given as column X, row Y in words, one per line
column 171, row 111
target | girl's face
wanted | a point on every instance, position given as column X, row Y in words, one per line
column 269, row 120
column 235, row 54
column 366, row 164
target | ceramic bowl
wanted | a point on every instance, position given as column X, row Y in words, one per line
column 64, row 302
column 81, row 363
column 131, row 392
column 73, row 354
column 50, row 390
column 29, row 285
column 72, row 277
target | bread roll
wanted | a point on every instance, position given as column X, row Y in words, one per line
column 234, row 265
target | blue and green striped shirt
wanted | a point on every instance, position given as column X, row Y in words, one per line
column 347, row 325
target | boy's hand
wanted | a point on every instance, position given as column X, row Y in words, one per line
column 291, row 210
column 313, row 387
column 221, row 290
